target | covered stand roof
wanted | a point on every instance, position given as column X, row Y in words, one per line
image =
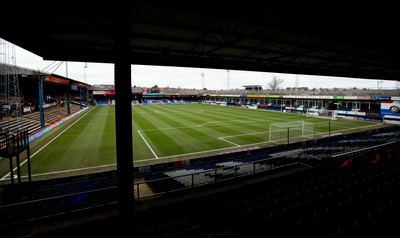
column 244, row 35
column 250, row 35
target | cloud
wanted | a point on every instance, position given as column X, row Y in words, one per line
column 148, row 76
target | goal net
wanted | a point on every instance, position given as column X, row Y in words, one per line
column 289, row 132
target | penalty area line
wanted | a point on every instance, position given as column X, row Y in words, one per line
column 145, row 141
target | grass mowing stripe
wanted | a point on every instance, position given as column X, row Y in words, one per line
column 24, row 169
column 78, row 147
column 193, row 138
column 107, row 152
column 162, row 138
column 184, row 137
column 152, row 151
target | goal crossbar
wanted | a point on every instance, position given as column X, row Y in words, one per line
column 291, row 130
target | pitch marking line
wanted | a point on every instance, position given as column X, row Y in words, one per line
column 68, row 170
column 62, row 132
column 187, row 154
column 245, row 134
column 231, row 122
column 251, row 144
column 237, row 145
column 230, row 142
column 145, row 141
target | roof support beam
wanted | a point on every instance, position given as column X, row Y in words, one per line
column 123, row 114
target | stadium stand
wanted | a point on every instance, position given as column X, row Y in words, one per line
column 312, row 190
column 285, row 189
column 31, row 121
column 339, row 191
column 328, row 201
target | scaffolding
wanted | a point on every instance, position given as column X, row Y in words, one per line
column 11, row 97
column 13, row 139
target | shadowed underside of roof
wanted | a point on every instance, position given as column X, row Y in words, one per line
column 247, row 35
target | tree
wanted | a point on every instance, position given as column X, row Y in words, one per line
column 275, row 82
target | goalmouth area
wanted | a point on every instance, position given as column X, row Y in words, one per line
column 163, row 133
column 292, row 131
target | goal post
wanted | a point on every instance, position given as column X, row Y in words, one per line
column 293, row 131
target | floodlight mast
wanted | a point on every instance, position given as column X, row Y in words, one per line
column 227, row 87
column 84, row 71
column 202, row 81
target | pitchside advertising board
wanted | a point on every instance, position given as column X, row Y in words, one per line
column 390, row 108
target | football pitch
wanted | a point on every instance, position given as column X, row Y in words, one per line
column 169, row 132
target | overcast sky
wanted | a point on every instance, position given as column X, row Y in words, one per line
column 148, row 76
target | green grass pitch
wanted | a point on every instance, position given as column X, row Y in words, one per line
column 165, row 132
